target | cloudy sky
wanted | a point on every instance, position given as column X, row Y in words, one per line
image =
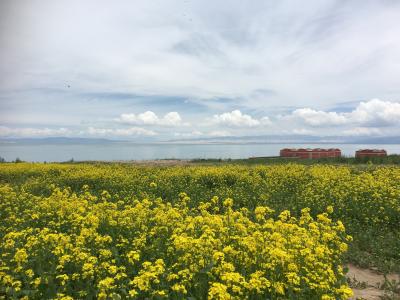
column 186, row 69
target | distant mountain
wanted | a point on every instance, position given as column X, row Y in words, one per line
column 264, row 139
column 58, row 141
column 380, row 140
column 292, row 139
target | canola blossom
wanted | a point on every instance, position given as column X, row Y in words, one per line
column 69, row 246
column 117, row 231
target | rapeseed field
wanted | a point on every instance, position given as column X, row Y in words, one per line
column 118, row 231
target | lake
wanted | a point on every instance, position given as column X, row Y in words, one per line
column 134, row 151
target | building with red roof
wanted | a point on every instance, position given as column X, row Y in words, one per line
column 311, row 153
column 370, row 153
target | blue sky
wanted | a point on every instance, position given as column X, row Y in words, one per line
column 187, row 69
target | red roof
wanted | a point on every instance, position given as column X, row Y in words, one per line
column 310, row 150
column 371, row 150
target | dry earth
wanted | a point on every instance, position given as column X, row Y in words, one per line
column 372, row 282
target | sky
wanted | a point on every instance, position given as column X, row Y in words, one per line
column 165, row 70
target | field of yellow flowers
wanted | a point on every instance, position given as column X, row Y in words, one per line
column 118, row 231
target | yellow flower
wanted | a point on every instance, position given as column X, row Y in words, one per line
column 218, row 256
column 279, row 288
column 179, row 288
column 133, row 256
column 228, row 202
column 106, row 284
column 119, row 238
column 21, row 256
column 153, row 184
column 218, row 291
column 29, row 273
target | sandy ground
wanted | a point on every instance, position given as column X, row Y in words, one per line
column 372, row 280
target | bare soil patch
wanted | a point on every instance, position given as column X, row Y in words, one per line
column 368, row 283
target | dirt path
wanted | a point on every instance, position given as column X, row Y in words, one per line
column 367, row 282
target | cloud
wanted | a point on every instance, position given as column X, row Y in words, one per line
column 33, row 132
column 237, row 119
column 133, row 131
column 194, row 133
column 318, row 118
column 376, row 113
column 216, row 51
column 198, row 134
column 302, row 131
column 372, row 113
column 198, row 58
column 219, row 133
column 150, row 118
column 265, row 121
column 91, row 131
column 362, row 131
column 367, row 118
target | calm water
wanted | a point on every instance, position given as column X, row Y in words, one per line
column 131, row 151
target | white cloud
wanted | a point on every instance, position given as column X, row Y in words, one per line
column 91, row 131
column 362, row 131
column 172, row 119
column 194, row 133
column 245, row 56
column 318, row 118
column 265, row 121
column 133, row 131
column 146, row 118
column 150, row 118
column 302, row 131
column 368, row 118
column 321, row 53
column 219, row 133
column 33, row 132
column 235, row 119
column 376, row 113
column 372, row 113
